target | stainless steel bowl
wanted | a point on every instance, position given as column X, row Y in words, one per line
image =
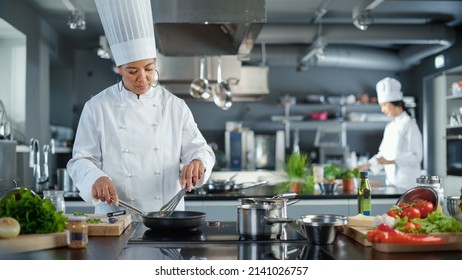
column 454, row 207
column 328, row 188
column 417, row 193
column 322, row 229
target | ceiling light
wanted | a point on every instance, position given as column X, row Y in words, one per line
column 77, row 20
column 362, row 20
column 103, row 51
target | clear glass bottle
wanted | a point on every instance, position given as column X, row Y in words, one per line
column 57, row 198
column 435, row 183
column 364, row 194
column 77, row 232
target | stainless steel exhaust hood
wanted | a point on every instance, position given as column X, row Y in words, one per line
column 207, row 28
column 248, row 83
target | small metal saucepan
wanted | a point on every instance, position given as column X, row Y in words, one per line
column 263, row 218
column 178, row 220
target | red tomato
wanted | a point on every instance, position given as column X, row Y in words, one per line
column 393, row 213
column 425, row 208
column 410, row 213
column 409, row 227
column 403, row 205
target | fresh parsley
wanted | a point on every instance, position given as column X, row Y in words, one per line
column 34, row 214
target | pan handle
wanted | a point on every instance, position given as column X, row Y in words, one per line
column 130, row 207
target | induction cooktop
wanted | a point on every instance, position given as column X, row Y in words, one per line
column 210, row 231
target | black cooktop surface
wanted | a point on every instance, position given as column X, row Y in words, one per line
column 210, row 231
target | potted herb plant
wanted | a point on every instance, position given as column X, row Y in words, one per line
column 331, row 173
column 299, row 177
column 349, row 179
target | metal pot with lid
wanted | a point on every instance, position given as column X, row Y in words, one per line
column 263, row 218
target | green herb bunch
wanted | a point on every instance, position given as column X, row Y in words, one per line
column 296, row 165
column 350, row 173
column 297, row 169
column 332, row 172
column 34, row 214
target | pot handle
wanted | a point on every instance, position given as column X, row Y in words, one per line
column 271, row 221
column 288, row 195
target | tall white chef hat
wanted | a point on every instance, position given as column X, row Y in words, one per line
column 129, row 29
column 388, row 90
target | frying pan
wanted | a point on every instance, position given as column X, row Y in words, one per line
column 178, row 220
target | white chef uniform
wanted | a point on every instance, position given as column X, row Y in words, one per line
column 402, row 142
column 138, row 142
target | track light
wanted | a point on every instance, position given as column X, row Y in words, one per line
column 103, row 51
column 362, row 20
column 77, row 20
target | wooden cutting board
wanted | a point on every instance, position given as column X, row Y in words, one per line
column 107, row 229
column 453, row 243
column 358, row 234
column 32, row 242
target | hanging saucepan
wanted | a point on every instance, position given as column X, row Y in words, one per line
column 178, row 220
column 222, row 94
column 200, row 87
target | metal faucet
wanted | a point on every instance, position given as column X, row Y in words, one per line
column 34, row 162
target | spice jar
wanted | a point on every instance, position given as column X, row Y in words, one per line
column 77, row 232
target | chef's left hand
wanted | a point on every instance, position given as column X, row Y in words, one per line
column 382, row 160
column 191, row 174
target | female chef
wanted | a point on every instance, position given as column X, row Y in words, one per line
column 133, row 136
column 400, row 152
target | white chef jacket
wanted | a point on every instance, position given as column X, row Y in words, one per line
column 402, row 142
column 139, row 144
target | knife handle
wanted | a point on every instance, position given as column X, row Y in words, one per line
column 116, row 213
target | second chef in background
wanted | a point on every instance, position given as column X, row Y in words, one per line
column 133, row 136
column 401, row 149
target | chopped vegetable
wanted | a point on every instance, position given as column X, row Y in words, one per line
column 34, row 214
column 93, row 221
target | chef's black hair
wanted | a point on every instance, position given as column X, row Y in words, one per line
column 400, row 103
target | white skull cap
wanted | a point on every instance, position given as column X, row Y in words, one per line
column 389, row 90
column 129, row 29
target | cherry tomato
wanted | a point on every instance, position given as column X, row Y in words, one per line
column 411, row 227
column 403, row 205
column 410, row 213
column 393, row 213
column 425, row 208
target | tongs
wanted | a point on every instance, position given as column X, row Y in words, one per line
column 170, row 206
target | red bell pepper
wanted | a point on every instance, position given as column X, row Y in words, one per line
column 386, row 234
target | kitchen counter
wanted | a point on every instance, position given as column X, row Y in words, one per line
column 221, row 247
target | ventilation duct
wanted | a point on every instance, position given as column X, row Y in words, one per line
column 408, row 44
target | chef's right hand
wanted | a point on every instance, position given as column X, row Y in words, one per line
column 104, row 190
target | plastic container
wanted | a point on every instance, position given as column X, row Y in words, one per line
column 77, row 232
column 57, row 198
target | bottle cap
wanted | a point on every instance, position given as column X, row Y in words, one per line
column 363, row 174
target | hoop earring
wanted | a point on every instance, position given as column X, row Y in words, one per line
column 120, row 85
column 156, row 79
